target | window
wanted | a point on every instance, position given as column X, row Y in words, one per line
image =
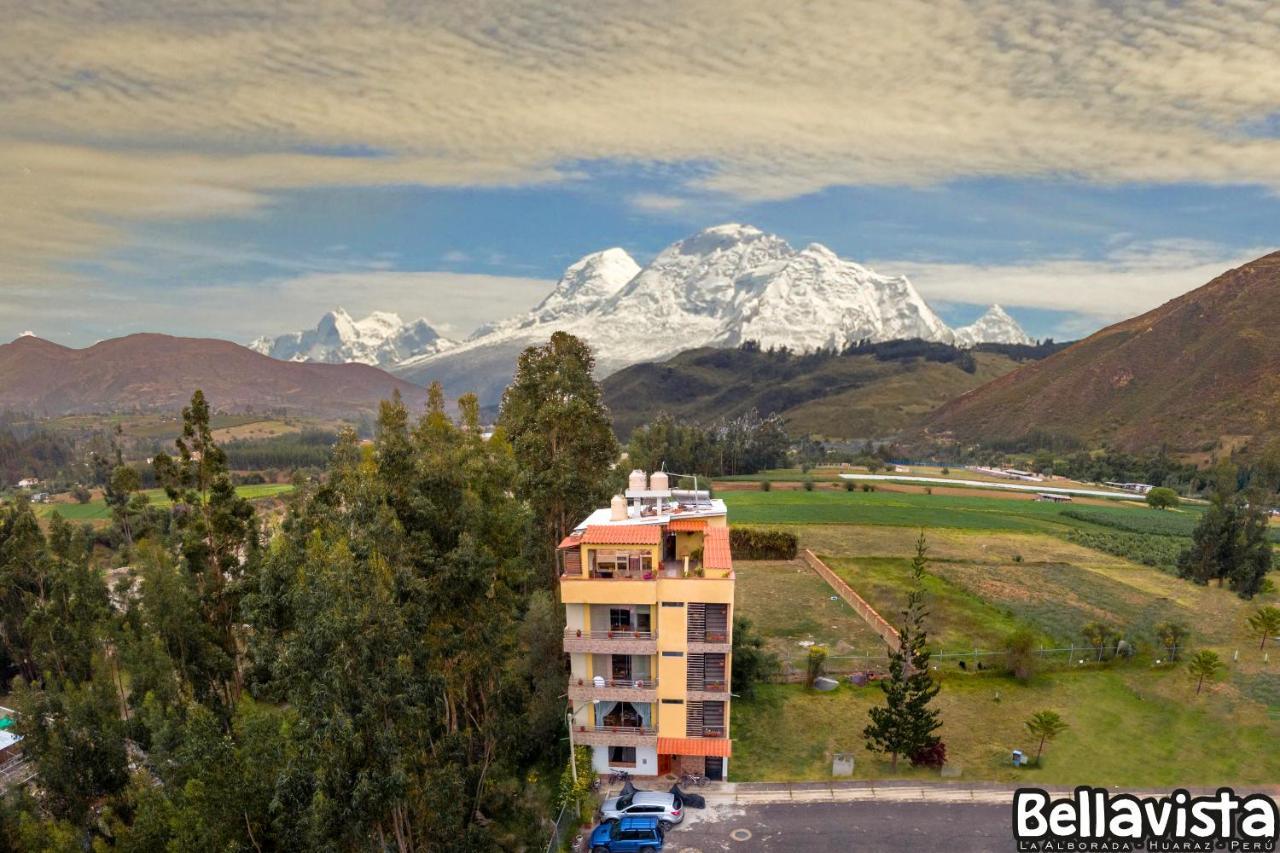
column 672, row 701
column 673, row 604
column 622, row 755
column 673, row 654
column 619, row 619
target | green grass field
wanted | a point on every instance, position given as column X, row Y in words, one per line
column 788, row 603
column 1127, row 728
column 96, row 510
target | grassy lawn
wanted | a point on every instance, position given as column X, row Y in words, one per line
column 788, row 603
column 1129, row 727
column 96, row 510
column 958, row 619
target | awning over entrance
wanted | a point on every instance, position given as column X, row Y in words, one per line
column 719, row 746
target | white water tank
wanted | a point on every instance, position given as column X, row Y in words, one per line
column 618, row 508
column 636, row 482
column 658, row 481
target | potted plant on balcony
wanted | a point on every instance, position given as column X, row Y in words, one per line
column 579, row 633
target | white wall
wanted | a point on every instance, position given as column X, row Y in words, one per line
column 646, row 761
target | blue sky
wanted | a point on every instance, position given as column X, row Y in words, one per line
column 1076, row 164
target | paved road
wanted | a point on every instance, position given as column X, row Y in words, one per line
column 875, row 827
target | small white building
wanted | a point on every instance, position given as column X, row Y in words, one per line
column 28, row 482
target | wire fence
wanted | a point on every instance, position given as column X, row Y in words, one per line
column 565, row 833
column 978, row 660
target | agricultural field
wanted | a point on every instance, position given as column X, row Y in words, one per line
column 996, row 566
column 907, row 509
column 96, row 509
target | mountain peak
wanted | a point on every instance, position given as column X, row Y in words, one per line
column 380, row 338
column 993, row 327
column 721, row 238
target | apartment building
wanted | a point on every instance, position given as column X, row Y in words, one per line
column 647, row 585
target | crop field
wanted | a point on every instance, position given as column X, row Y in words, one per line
column 96, row 510
column 904, row 509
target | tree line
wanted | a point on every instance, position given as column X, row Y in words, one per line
column 381, row 669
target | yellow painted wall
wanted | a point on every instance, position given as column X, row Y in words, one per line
column 598, row 591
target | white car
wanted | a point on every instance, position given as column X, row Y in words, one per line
column 667, row 808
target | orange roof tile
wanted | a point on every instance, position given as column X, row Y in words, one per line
column 687, row 524
column 573, row 540
column 622, row 534
column 715, row 548
column 721, row 746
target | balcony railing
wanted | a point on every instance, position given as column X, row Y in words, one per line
column 709, row 732
column 643, row 731
column 615, row 634
column 619, row 683
column 711, row 685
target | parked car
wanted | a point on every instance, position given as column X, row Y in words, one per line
column 667, row 808
column 628, row 835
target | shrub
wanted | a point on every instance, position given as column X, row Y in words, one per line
column 849, row 485
column 1162, row 498
column 1020, row 654
column 945, row 470
column 931, row 756
column 81, row 494
column 867, row 487
column 765, row 485
column 816, row 664
column 757, row 543
column 808, row 485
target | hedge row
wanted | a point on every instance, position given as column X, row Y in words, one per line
column 755, row 543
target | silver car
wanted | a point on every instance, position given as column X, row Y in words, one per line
column 667, row 808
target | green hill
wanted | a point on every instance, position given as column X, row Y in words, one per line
column 867, row 391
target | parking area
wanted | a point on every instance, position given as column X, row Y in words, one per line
column 860, row 825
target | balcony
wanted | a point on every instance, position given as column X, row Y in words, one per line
column 709, row 691
column 613, row 690
column 615, row 735
column 618, row 642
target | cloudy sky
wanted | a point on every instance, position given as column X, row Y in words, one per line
column 237, row 168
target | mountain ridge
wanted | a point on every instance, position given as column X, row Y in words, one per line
column 722, row 286
column 151, row 372
column 381, row 338
column 1201, row 368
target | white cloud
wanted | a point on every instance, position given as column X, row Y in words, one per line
column 114, row 112
column 1130, row 280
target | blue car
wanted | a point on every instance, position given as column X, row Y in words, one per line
column 629, row 835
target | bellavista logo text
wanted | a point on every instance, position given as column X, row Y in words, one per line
column 1094, row 819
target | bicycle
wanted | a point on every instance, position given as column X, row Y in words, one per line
column 688, row 780
column 619, row 776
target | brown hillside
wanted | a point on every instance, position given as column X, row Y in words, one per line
column 158, row 372
column 1200, row 367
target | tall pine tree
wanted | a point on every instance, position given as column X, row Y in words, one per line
column 905, row 724
column 554, row 415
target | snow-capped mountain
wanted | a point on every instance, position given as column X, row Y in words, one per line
column 720, row 287
column 993, row 327
column 381, row 338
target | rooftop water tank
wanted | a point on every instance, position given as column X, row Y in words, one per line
column 658, row 481
column 636, row 482
column 618, row 508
